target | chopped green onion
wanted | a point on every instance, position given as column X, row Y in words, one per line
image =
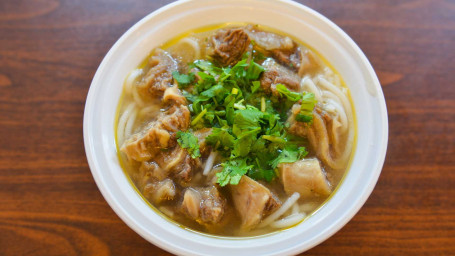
column 239, row 106
column 198, row 117
column 220, row 112
column 262, row 104
column 273, row 138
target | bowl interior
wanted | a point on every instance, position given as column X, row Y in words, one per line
column 289, row 17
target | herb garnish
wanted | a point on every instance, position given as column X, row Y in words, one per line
column 190, row 142
column 248, row 125
column 183, row 79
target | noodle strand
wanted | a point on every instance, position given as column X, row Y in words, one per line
column 275, row 215
column 122, row 123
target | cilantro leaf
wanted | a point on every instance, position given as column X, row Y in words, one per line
column 254, row 71
column 258, row 146
column 182, row 79
column 262, row 174
column 190, row 142
column 245, row 72
column 209, row 116
column 207, row 66
column 246, row 119
column 217, row 91
column 275, row 126
column 289, row 154
column 238, row 71
column 205, row 82
column 229, row 105
column 255, row 86
column 222, row 137
column 242, row 145
column 284, row 91
column 232, row 172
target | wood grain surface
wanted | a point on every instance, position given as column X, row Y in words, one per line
column 50, row 50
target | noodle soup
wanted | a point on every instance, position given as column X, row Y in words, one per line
column 235, row 130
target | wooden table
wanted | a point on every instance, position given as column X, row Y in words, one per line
column 50, row 50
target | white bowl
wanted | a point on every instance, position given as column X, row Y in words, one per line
column 289, row 17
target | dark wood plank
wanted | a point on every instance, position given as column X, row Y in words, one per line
column 50, row 49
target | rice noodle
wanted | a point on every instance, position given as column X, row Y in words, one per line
column 326, row 95
column 137, row 98
column 331, row 77
column 286, row 206
column 332, row 88
column 166, row 211
column 307, row 83
column 209, row 163
column 288, row 220
column 336, row 80
column 122, row 122
column 340, row 113
column 323, row 147
column 308, row 207
column 150, row 110
column 131, row 79
column 295, row 208
column 130, row 123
